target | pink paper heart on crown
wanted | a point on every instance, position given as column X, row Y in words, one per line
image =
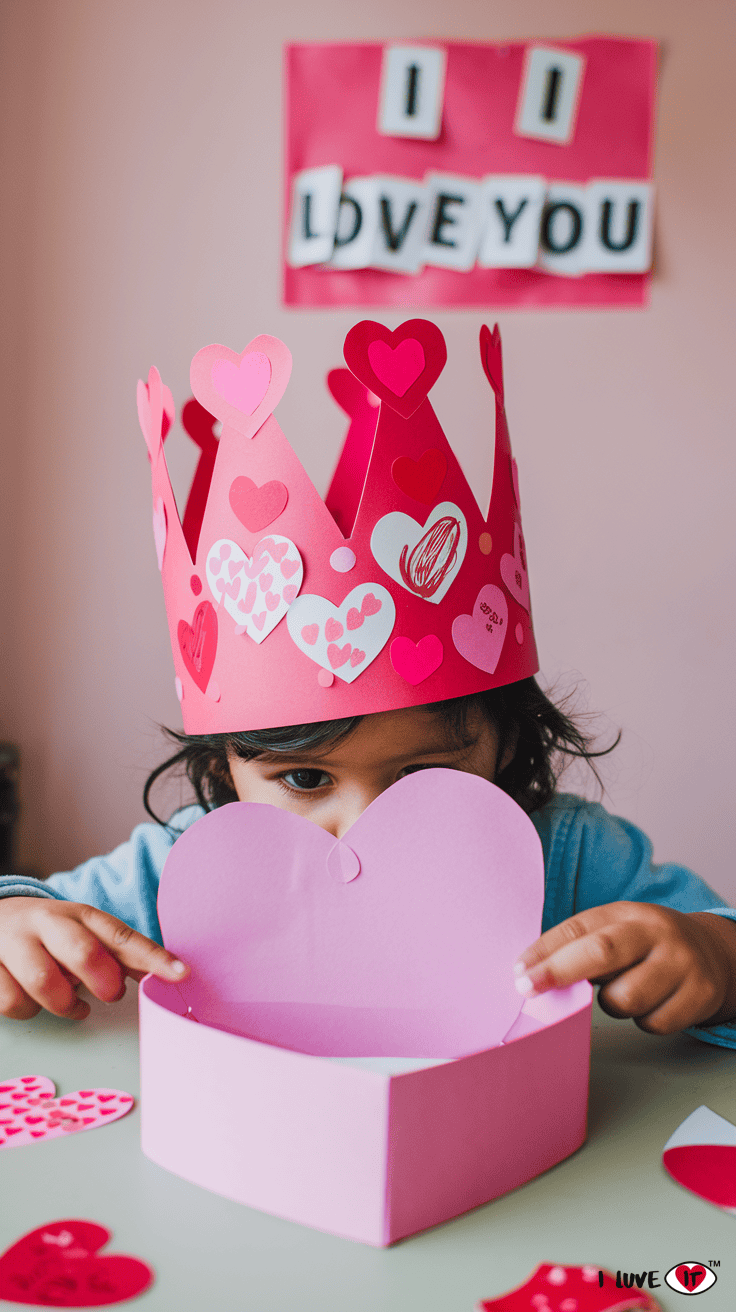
column 245, row 385
column 480, row 637
column 159, row 530
column 30, row 1111
column 415, row 661
column 399, row 367
column 513, row 570
column 241, row 389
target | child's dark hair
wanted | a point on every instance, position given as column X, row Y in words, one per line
column 544, row 739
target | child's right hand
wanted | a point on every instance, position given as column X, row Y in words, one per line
column 48, row 948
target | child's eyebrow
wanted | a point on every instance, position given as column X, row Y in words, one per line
column 316, row 757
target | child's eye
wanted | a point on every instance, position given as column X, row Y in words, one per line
column 305, row 781
column 412, row 769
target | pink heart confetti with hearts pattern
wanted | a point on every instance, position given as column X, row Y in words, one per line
column 30, row 1111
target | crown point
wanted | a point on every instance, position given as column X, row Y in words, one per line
column 398, row 367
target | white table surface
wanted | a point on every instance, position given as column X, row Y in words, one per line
column 611, row 1204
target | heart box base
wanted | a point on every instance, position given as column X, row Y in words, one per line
column 351, row 1150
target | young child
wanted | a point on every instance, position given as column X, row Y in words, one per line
column 424, row 684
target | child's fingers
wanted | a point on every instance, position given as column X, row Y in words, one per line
column 591, row 946
column 41, row 978
column 14, row 1001
column 138, row 954
column 82, row 958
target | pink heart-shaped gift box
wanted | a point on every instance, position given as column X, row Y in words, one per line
column 361, row 1061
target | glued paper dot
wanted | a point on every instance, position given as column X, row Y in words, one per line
column 343, row 863
column 240, row 629
column 485, row 542
column 179, row 688
column 342, row 560
column 195, row 584
column 325, row 678
column 213, row 690
column 519, row 634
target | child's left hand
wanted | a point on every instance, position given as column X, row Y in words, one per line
column 664, row 968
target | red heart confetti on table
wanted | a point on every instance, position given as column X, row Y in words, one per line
column 706, row 1169
column 29, row 1110
column 59, row 1265
column 570, row 1289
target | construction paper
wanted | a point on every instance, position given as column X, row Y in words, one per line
column 415, row 661
column 701, row 1156
column 30, row 1111
column 513, row 570
column 60, row 1264
column 511, row 210
column 620, row 219
column 601, row 104
column 564, row 230
column 569, row 1289
column 445, row 1100
column 314, row 206
column 399, row 523
column 199, row 424
column 435, row 981
column 480, row 637
column 423, row 558
column 159, row 530
column 400, row 225
column 256, row 590
column 412, row 87
column 454, row 221
column 358, row 218
column 343, row 639
column 550, row 94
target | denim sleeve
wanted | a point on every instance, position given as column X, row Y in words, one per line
column 123, row 883
column 592, row 858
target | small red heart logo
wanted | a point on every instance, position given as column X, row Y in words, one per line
column 257, row 507
column 198, row 646
column 690, row 1276
column 59, row 1265
column 422, row 478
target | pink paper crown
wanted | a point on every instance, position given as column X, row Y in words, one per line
column 395, row 591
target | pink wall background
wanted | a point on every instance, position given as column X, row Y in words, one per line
column 141, row 176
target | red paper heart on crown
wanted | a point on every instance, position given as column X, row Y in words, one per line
column 399, row 367
column 59, row 1265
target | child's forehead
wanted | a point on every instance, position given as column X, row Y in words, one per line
column 391, row 735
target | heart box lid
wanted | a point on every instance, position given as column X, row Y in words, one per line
column 396, row 940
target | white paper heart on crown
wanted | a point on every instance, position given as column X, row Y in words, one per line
column 343, row 639
column 423, row 558
column 256, row 590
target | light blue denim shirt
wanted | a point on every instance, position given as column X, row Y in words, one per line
column 590, row 858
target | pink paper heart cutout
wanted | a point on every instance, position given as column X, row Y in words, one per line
column 398, row 368
column 259, row 620
column 334, row 629
column 257, row 507
column 198, row 643
column 355, row 618
column 243, row 386
column 479, row 637
column 370, row 605
column 310, row 633
column 265, row 582
column 57, row 1116
column 356, row 657
column 272, row 600
column 289, row 594
column 337, row 656
column 276, row 550
column 59, row 1264
column 414, row 662
column 248, row 601
column 288, row 567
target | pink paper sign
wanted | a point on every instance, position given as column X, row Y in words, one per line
column 338, row 136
